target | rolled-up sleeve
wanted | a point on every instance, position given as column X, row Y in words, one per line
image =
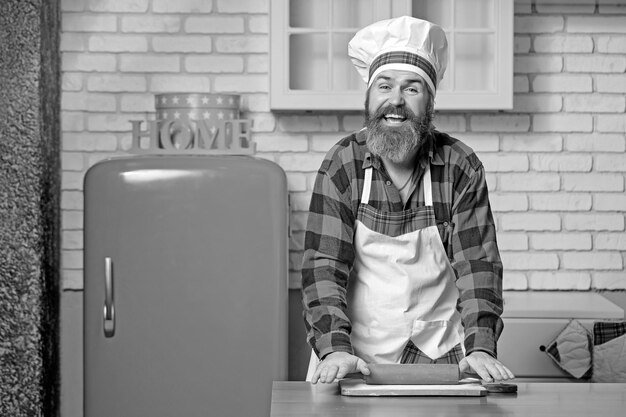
column 477, row 264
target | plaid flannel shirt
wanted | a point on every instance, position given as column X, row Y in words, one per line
column 464, row 221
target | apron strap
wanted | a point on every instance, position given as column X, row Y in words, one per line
column 428, row 186
column 367, row 184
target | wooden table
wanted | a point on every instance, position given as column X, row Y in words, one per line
column 534, row 399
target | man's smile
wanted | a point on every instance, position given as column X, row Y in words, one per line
column 394, row 119
column 393, row 116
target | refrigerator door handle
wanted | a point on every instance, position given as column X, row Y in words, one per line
column 109, row 308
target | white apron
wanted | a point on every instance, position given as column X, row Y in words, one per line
column 402, row 287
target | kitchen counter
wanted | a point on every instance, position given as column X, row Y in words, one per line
column 302, row 399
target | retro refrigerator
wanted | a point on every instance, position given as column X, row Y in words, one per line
column 185, row 291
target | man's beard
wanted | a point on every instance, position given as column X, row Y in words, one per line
column 396, row 143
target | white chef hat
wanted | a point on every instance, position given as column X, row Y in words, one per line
column 404, row 43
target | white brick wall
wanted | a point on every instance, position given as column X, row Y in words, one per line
column 555, row 163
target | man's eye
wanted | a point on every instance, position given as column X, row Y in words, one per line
column 412, row 90
column 383, row 87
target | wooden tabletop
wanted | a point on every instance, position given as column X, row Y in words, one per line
column 536, row 399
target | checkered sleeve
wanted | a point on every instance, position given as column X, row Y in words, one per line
column 476, row 262
column 327, row 261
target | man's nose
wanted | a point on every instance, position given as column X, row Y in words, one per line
column 396, row 98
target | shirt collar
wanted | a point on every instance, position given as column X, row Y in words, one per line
column 434, row 153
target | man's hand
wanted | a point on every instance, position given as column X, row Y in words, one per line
column 338, row 365
column 486, row 366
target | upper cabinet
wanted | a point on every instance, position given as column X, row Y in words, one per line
column 310, row 68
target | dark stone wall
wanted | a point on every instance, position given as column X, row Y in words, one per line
column 29, row 207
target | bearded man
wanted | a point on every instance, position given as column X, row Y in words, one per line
column 401, row 263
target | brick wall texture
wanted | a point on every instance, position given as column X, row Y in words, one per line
column 556, row 162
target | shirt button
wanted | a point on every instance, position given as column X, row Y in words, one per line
column 388, row 182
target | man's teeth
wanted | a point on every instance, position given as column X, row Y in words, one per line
column 394, row 116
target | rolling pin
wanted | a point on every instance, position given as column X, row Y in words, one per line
column 412, row 374
column 426, row 374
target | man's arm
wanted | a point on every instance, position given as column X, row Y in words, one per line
column 479, row 279
column 326, row 263
column 478, row 267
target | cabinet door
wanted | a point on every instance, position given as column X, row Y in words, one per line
column 480, row 44
column 310, row 67
column 523, row 342
column 311, row 70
